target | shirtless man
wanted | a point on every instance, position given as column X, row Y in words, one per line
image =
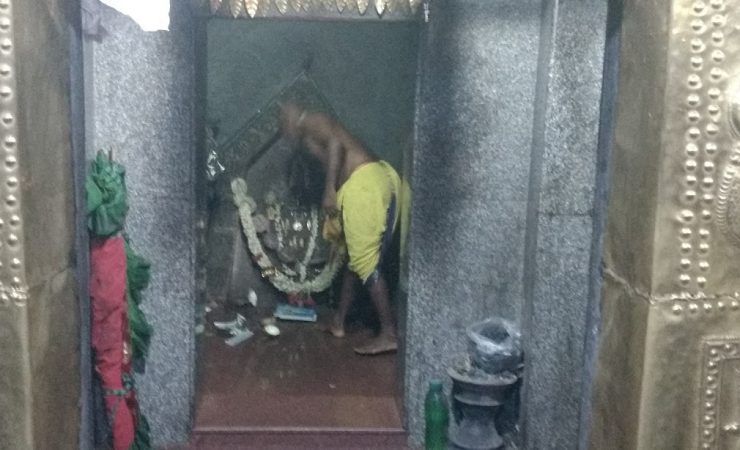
column 359, row 201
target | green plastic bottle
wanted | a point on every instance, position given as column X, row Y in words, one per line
column 437, row 417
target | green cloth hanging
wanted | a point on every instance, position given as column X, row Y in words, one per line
column 107, row 202
column 142, row 440
column 137, row 278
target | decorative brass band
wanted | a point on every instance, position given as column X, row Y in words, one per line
column 307, row 9
column 13, row 289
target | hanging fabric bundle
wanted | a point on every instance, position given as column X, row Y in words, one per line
column 120, row 332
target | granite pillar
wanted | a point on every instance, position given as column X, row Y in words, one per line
column 505, row 186
column 142, row 109
column 561, row 230
column 471, row 170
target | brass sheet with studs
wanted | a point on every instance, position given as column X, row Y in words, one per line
column 668, row 374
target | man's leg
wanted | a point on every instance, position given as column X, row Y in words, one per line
column 386, row 340
column 346, row 297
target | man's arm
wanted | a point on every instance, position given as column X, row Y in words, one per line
column 334, row 157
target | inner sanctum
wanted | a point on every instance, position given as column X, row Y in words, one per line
column 266, row 255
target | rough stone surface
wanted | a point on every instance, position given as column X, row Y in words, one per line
column 471, row 170
column 557, row 335
column 573, row 104
column 142, row 110
column 561, row 221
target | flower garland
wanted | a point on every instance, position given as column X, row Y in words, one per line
column 313, row 226
column 281, row 280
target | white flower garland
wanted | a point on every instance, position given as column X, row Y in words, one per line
column 282, row 281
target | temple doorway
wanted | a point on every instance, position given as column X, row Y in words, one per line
column 271, row 282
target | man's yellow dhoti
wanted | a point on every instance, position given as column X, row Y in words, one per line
column 364, row 201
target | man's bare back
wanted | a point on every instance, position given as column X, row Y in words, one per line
column 329, row 142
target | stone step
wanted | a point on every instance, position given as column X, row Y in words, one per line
column 298, row 438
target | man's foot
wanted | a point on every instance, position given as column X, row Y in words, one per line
column 381, row 344
column 335, row 328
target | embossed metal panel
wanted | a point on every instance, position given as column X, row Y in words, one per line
column 39, row 337
column 677, row 134
column 696, row 244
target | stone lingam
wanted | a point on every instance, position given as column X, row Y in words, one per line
column 482, row 383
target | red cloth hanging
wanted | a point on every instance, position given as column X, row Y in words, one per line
column 110, row 336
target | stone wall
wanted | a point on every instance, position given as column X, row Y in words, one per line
column 141, row 107
column 504, row 188
column 366, row 71
column 561, row 228
column 471, row 180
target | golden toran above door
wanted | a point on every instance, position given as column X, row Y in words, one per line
column 315, row 9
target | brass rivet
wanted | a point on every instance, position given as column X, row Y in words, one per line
column 692, row 149
column 697, row 45
column 716, row 73
column 694, row 80
column 699, row 7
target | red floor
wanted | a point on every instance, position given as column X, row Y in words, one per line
column 301, row 383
